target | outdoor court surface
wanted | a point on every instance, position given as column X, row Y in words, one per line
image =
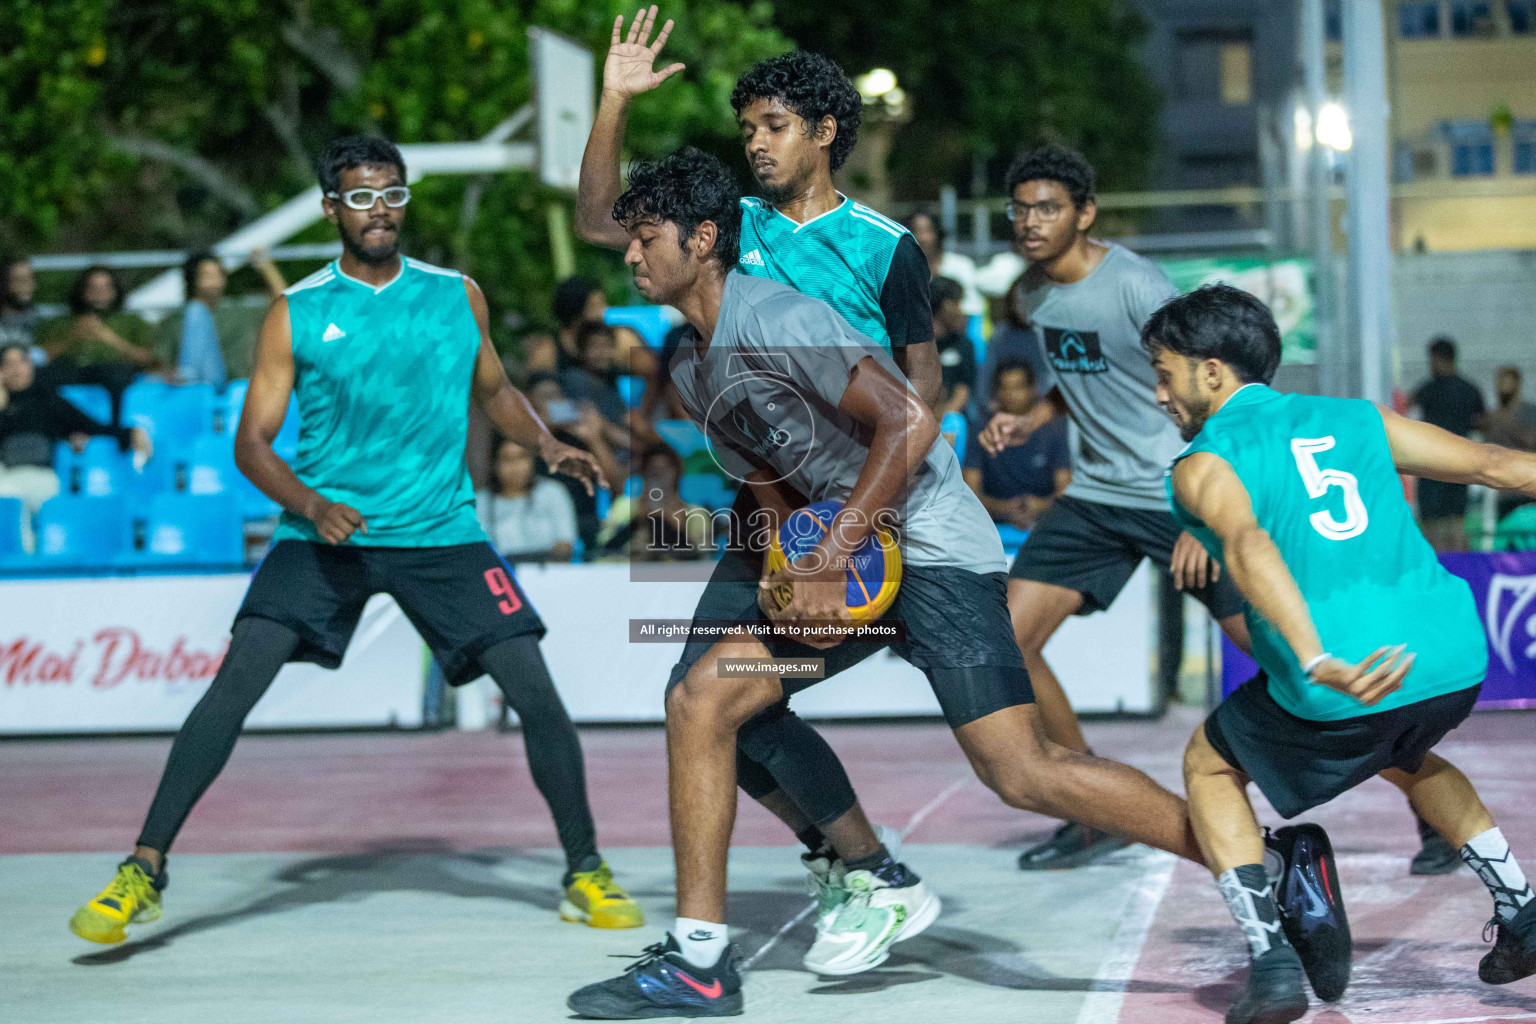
column 410, row 877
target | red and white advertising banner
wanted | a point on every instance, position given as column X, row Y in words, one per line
column 135, row 654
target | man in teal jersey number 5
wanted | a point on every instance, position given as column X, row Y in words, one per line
column 1299, row 497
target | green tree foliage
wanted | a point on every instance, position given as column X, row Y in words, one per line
column 49, row 56
column 150, row 123
column 991, row 77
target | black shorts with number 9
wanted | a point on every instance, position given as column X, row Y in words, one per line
column 463, row 599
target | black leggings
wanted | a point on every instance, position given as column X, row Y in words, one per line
column 260, row 647
column 776, row 749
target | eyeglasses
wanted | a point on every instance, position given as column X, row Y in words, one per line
column 394, row 197
column 1047, row 210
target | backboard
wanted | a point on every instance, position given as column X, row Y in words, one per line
column 563, row 92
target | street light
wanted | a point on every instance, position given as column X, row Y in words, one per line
column 875, row 84
column 1333, row 127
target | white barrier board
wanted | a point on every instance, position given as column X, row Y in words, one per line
column 135, row 654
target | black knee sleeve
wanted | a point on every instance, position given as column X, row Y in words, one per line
column 798, row 760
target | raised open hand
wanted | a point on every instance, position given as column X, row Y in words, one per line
column 631, row 56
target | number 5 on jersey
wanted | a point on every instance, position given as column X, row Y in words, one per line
column 1318, row 480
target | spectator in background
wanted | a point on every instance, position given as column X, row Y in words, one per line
column 581, row 299
column 592, row 378
column 928, row 233
column 957, row 352
column 527, row 517
column 1012, row 338
column 1019, row 483
column 18, row 315
column 540, row 353
column 33, row 418
column 98, row 342
column 658, row 525
column 580, row 426
column 1451, row 402
column 199, row 354
column 1512, row 425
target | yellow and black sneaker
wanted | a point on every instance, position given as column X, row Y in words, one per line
column 595, row 899
column 132, row 898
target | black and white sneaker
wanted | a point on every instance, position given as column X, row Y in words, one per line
column 1072, row 846
column 1312, row 905
column 1436, row 855
column 1274, row 994
column 661, row 983
column 1513, row 955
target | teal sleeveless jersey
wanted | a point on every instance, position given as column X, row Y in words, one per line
column 840, row 258
column 1320, row 475
column 382, row 377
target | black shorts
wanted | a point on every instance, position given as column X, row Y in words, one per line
column 462, row 599
column 1094, row 548
column 1298, row 763
column 957, row 632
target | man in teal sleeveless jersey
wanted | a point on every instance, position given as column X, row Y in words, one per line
column 384, row 354
column 799, row 117
column 1299, row 498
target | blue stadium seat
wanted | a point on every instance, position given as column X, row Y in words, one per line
column 75, row 532
column 208, row 465
column 650, row 322
column 187, row 529
column 1012, row 538
column 102, row 470
column 227, row 406
column 954, row 423
column 171, row 414
column 91, row 399
column 631, row 389
column 10, row 526
column 632, row 485
column 682, row 435
column 705, row 489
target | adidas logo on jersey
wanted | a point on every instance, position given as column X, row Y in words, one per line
column 332, row 333
column 753, row 259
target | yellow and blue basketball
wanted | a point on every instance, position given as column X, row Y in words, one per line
column 874, row 569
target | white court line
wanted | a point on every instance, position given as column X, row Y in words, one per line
column 912, row 823
column 1108, row 992
column 1475, row 1020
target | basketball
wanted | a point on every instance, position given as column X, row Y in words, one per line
column 874, row 570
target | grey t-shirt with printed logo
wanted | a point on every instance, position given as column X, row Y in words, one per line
column 1089, row 333
column 766, row 393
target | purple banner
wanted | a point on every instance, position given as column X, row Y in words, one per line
column 1504, row 586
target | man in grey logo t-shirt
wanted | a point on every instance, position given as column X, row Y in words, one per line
column 1086, row 301
column 804, row 408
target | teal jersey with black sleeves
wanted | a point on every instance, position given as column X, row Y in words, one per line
column 1320, row 475
column 864, row 265
column 382, row 377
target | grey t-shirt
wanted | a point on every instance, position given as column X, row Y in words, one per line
column 1090, row 335
column 766, row 394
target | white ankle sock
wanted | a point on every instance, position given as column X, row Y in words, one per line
column 702, row 942
column 1488, row 854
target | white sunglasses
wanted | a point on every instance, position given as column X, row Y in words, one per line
column 394, row 197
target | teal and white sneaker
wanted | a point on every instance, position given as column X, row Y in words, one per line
column 875, row 912
column 826, row 877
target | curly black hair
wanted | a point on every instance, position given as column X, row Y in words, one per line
column 355, row 151
column 1066, row 167
column 811, row 85
column 687, row 188
column 1218, row 321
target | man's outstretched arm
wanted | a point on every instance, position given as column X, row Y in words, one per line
column 626, row 73
column 1421, row 449
column 1208, row 487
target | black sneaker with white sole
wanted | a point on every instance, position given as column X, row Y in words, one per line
column 1312, row 906
column 1072, row 846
